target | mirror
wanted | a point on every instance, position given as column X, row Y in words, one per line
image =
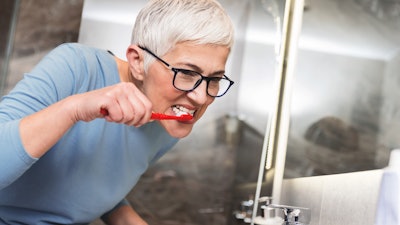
column 345, row 107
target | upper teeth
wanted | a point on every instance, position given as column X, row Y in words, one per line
column 180, row 110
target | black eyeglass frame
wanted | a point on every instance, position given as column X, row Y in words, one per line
column 176, row 70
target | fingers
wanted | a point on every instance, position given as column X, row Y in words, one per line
column 124, row 103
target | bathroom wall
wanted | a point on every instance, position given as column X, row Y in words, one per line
column 348, row 198
column 390, row 110
column 260, row 62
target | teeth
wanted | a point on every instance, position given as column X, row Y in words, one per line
column 180, row 110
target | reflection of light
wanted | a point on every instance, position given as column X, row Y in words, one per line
column 262, row 36
column 337, row 47
column 302, row 101
column 111, row 16
column 122, row 13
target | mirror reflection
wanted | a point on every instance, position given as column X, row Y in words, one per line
column 345, row 108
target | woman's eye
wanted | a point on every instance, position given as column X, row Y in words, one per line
column 189, row 72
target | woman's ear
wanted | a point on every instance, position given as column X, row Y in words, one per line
column 135, row 58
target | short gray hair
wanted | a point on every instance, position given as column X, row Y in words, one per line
column 162, row 24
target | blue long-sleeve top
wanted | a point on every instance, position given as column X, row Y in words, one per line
column 92, row 167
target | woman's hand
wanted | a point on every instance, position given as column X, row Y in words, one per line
column 123, row 102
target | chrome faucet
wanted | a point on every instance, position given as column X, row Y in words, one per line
column 246, row 211
column 292, row 214
column 273, row 213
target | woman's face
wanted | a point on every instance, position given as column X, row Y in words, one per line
column 209, row 60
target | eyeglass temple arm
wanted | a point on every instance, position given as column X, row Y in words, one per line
column 155, row 56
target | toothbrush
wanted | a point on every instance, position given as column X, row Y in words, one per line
column 159, row 116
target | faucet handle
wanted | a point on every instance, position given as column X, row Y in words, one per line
column 294, row 215
column 265, row 199
column 246, row 210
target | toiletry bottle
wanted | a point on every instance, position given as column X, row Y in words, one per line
column 388, row 208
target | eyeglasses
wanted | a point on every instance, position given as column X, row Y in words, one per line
column 188, row 80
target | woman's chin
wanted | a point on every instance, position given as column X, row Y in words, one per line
column 177, row 129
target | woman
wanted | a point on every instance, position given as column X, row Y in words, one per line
column 77, row 133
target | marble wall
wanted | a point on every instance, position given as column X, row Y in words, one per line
column 41, row 25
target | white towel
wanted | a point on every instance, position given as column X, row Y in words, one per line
column 389, row 202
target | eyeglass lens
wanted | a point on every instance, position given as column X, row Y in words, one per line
column 187, row 80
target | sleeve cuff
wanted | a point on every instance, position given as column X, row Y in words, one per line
column 14, row 160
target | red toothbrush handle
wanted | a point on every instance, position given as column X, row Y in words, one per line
column 159, row 116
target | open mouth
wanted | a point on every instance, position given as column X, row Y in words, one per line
column 180, row 110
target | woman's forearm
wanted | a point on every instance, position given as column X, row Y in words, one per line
column 41, row 130
column 124, row 102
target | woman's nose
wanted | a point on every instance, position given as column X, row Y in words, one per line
column 199, row 94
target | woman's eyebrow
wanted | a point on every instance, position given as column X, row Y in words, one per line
column 193, row 67
column 199, row 70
